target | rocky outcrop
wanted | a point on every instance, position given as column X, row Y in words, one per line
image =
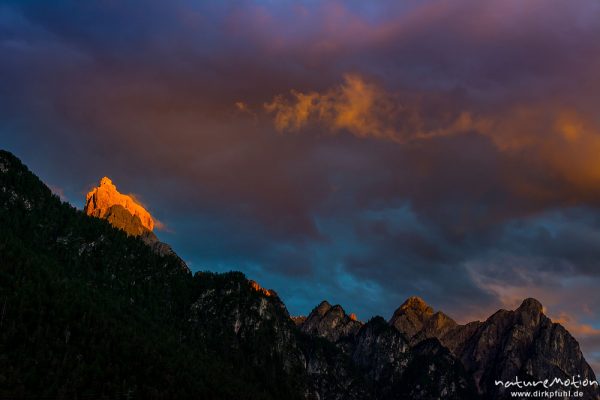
column 120, row 210
column 100, row 200
column 330, row 322
column 123, row 212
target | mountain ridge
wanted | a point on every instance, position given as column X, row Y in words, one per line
column 522, row 342
column 92, row 311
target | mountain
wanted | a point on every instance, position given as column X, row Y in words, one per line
column 87, row 311
column 523, row 343
column 90, row 309
column 385, row 358
column 102, row 199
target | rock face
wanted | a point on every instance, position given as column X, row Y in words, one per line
column 298, row 319
column 435, row 373
column 120, row 217
column 330, row 322
column 418, row 321
column 100, row 201
column 382, row 355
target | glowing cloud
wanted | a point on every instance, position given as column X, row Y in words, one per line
column 357, row 106
column 364, row 109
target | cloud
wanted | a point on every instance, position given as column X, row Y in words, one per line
column 356, row 106
column 543, row 136
column 363, row 109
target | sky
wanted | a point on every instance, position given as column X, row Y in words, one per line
column 359, row 152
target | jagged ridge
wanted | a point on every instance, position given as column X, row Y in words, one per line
column 523, row 343
column 90, row 311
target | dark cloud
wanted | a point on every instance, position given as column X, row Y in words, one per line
column 445, row 149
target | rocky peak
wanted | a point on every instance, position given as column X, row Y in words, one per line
column 414, row 315
column 416, row 304
column 107, row 182
column 322, row 308
column 100, row 200
column 531, row 305
column 330, row 322
column 530, row 312
column 123, row 212
column 523, row 343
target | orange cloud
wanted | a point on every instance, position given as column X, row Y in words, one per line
column 564, row 143
column 356, row 106
column 576, row 328
column 364, row 109
column 367, row 110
